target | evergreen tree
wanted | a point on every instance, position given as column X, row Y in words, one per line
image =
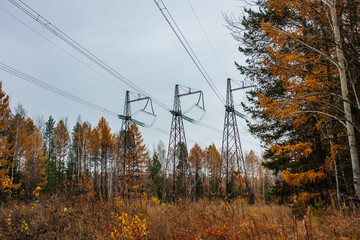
column 182, row 171
column 298, row 89
column 155, row 177
column 73, row 154
column 51, row 165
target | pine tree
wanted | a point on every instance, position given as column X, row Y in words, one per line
column 51, row 165
column 155, row 177
column 182, row 173
column 73, row 157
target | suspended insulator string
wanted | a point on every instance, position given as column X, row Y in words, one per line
column 180, row 36
column 57, row 32
column 207, row 38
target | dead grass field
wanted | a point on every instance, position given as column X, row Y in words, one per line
column 82, row 218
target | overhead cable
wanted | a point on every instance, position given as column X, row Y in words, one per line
column 62, row 49
column 82, row 50
column 180, row 36
column 208, row 39
column 57, row 32
column 63, row 93
column 54, row 89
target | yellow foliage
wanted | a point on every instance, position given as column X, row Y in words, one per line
column 24, row 228
column 6, row 183
column 129, row 227
column 154, row 201
column 240, row 201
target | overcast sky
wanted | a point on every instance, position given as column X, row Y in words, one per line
column 133, row 38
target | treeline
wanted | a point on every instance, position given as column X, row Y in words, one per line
column 46, row 156
column 304, row 58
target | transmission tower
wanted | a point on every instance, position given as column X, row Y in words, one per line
column 177, row 150
column 232, row 158
column 126, row 124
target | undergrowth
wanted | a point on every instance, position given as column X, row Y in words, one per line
column 83, row 218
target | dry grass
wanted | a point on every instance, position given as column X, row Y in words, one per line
column 80, row 218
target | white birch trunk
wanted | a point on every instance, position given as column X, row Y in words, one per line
column 346, row 100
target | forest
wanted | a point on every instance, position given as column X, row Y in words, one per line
column 87, row 182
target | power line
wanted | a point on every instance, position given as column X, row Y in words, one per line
column 82, row 50
column 54, row 89
column 62, row 49
column 175, row 28
column 208, row 39
column 167, row 133
column 57, row 32
column 63, row 93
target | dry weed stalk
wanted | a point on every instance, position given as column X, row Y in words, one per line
column 81, row 218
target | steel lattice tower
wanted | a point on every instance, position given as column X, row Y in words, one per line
column 128, row 120
column 126, row 124
column 231, row 154
column 177, row 141
column 177, row 149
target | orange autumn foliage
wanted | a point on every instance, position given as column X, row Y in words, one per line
column 196, row 158
column 213, row 160
column 34, row 169
column 303, row 198
column 299, row 57
column 305, row 75
column 330, row 159
column 6, row 181
column 295, row 179
column 293, row 150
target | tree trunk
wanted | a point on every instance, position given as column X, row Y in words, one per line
column 345, row 94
